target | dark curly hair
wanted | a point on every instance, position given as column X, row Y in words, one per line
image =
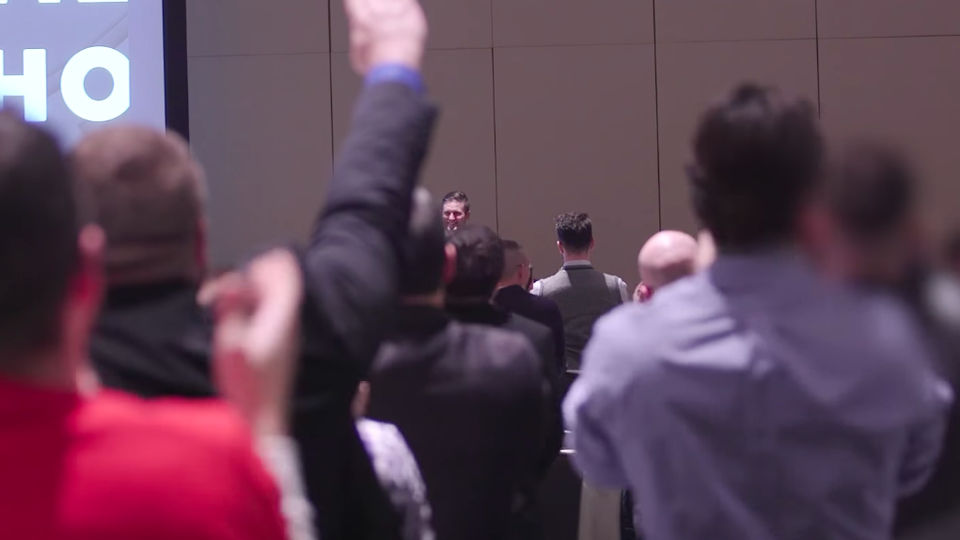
column 758, row 157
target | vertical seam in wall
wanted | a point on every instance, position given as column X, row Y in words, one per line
column 333, row 141
column 656, row 104
column 816, row 35
column 496, row 163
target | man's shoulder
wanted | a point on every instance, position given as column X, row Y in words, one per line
column 186, row 426
column 559, row 274
column 560, row 277
column 526, row 325
column 613, row 277
column 169, row 467
column 507, row 338
column 185, row 461
column 635, row 335
column 632, row 324
column 492, row 352
column 472, row 346
column 543, row 304
column 894, row 333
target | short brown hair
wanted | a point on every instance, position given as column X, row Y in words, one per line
column 575, row 231
column 148, row 194
column 39, row 228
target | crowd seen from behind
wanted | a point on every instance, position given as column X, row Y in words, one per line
column 786, row 375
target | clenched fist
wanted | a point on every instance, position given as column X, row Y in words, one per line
column 257, row 338
column 386, row 32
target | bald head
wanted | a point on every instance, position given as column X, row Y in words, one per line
column 667, row 257
column 516, row 265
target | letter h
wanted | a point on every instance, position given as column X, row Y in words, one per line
column 32, row 85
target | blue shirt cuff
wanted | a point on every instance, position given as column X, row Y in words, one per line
column 398, row 73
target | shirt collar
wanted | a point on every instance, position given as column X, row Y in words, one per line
column 577, row 264
column 511, row 290
column 420, row 320
column 786, row 268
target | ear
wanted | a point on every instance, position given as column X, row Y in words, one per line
column 591, row 244
column 523, row 274
column 560, row 247
column 816, row 230
column 450, row 265
column 88, row 282
column 645, row 293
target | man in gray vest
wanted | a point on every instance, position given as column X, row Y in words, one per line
column 583, row 293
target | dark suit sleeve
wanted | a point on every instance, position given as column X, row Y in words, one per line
column 352, row 272
column 550, row 404
column 559, row 340
column 353, row 264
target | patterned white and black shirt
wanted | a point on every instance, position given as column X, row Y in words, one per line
column 399, row 475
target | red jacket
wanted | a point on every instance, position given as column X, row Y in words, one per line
column 116, row 467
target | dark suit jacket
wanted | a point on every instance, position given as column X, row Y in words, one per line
column 352, row 270
column 516, row 299
column 469, row 401
column 487, row 314
column 932, row 298
column 153, row 341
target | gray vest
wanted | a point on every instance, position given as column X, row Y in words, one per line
column 584, row 295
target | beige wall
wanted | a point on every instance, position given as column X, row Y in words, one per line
column 558, row 105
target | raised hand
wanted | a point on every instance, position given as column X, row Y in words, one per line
column 385, row 32
column 257, row 338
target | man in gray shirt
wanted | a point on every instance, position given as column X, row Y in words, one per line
column 583, row 293
column 755, row 400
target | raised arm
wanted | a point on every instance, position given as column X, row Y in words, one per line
column 354, row 260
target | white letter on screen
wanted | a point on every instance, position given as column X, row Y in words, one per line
column 32, row 85
column 75, row 95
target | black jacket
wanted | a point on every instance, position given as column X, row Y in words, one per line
column 516, row 299
column 470, row 402
column 935, row 302
column 352, row 269
column 487, row 314
column 153, row 341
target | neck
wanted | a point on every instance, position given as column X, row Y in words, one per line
column 508, row 283
column 48, row 370
column 461, row 300
column 570, row 257
column 885, row 269
column 435, row 299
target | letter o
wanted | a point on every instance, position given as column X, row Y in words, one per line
column 75, row 94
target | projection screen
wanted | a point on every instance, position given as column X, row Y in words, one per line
column 76, row 65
